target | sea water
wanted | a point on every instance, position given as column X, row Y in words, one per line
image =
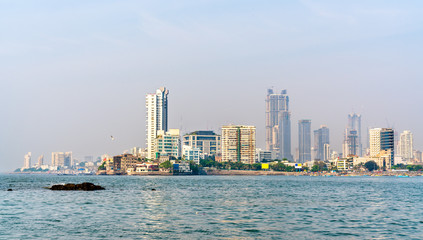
column 212, row 207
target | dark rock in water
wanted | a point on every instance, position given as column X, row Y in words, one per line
column 153, row 189
column 9, row 190
column 86, row 186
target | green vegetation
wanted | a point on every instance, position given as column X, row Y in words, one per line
column 409, row 167
column 371, row 166
column 319, row 167
column 279, row 166
column 166, row 165
column 194, row 167
column 102, row 166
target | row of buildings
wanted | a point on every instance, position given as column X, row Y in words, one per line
column 237, row 143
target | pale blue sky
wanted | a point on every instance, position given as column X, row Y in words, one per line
column 75, row 72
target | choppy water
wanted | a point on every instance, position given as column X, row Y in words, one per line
column 207, row 207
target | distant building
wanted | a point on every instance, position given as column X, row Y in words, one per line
column 61, row 159
column 304, row 141
column 354, row 124
column 351, row 145
column 326, row 152
column 207, row 141
column 157, row 116
column 136, row 151
column 238, row 144
column 123, row 163
column 417, row 156
column 192, row 154
column 88, row 159
column 40, row 161
column 405, row 149
column 278, row 124
column 381, row 142
column 27, row 160
column 321, row 137
column 264, row 156
column 168, row 143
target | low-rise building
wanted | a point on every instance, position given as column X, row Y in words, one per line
column 123, row 163
column 207, row 141
column 192, row 154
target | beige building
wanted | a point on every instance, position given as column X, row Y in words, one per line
column 383, row 160
column 61, row 159
column 238, row 144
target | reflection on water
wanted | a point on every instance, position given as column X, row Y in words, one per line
column 228, row 207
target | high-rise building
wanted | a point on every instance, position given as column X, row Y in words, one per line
column 382, row 142
column 61, row 159
column 278, row 124
column 207, row 141
column 156, row 105
column 304, row 141
column 351, row 145
column 354, row 127
column 406, row 145
column 168, row 143
column 239, row 144
column 417, row 155
column 321, row 137
column 40, row 161
column 27, row 160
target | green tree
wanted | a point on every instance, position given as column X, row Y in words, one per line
column 166, row 165
column 371, row 166
column 319, row 166
column 278, row 167
column 194, row 167
column 256, row 166
column 102, row 166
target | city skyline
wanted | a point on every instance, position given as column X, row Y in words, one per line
column 70, row 83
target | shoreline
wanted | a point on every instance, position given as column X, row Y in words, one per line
column 219, row 172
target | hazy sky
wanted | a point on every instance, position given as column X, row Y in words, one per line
column 72, row 73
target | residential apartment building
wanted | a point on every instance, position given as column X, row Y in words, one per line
column 238, row 144
column 61, row 159
column 157, row 117
column 405, row 148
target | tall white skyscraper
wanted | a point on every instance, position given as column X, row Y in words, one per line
column 278, row 124
column 156, row 105
column 27, row 161
column 406, row 145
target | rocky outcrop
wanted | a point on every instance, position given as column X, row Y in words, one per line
column 86, row 186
